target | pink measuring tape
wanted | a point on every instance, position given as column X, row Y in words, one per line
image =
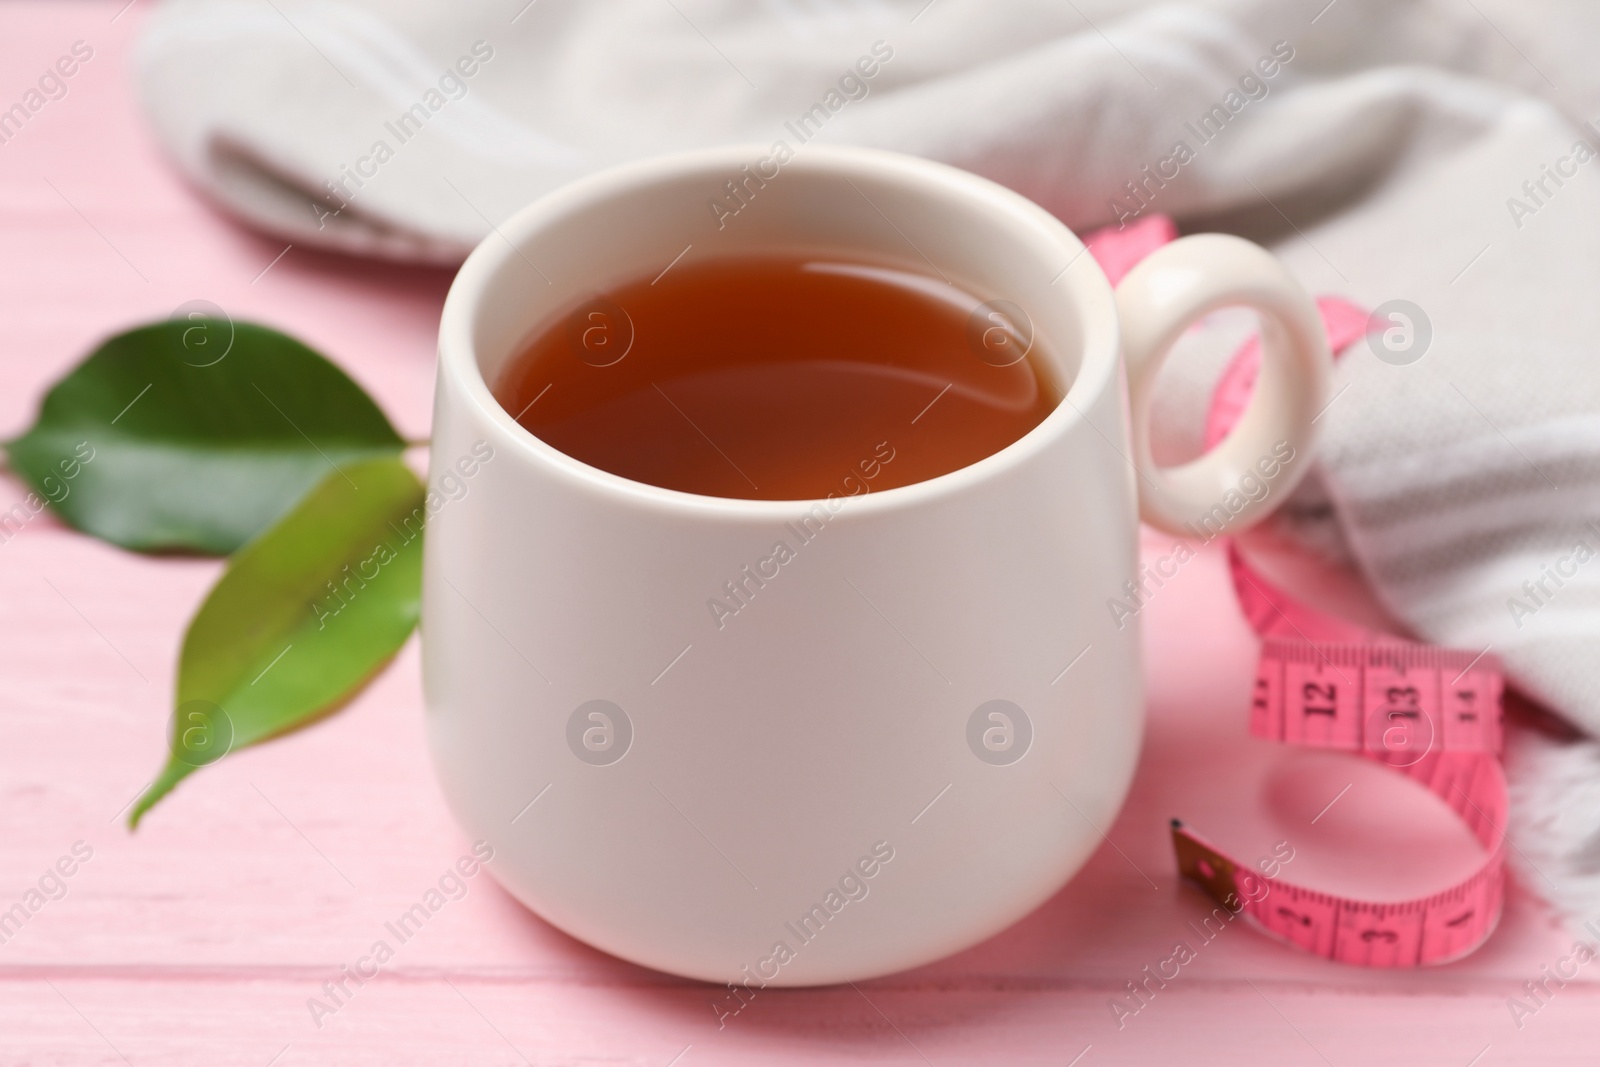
column 1432, row 714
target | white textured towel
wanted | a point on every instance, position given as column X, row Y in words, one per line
column 1433, row 153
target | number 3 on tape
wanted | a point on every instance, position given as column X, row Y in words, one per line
column 1432, row 714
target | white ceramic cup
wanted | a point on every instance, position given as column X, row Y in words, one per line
column 913, row 731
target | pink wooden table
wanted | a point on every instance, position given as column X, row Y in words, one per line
column 200, row 939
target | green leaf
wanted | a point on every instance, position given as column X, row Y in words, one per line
column 194, row 435
column 301, row 618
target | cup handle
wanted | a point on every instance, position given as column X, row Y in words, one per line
column 1156, row 302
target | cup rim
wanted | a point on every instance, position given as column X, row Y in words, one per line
column 1081, row 278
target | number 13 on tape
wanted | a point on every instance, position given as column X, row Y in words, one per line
column 1432, row 714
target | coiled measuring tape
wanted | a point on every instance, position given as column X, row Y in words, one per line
column 1431, row 714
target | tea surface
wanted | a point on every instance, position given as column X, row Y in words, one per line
column 780, row 378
